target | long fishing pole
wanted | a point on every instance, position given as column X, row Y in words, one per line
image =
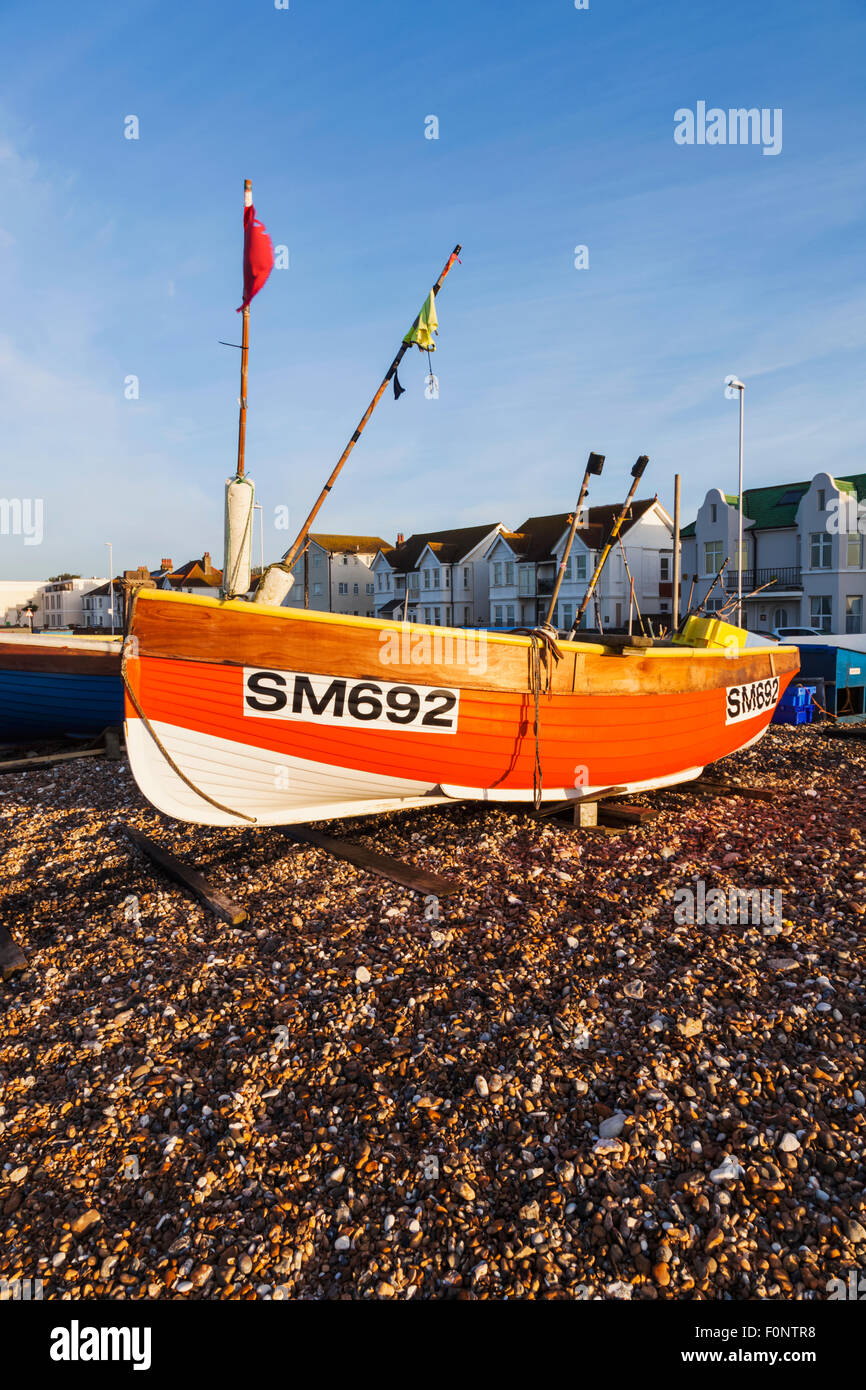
column 292, row 554
column 636, row 473
column 594, row 465
column 713, row 585
column 632, row 596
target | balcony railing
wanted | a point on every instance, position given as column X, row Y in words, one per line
column 780, row 577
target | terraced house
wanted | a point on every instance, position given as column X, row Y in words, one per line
column 437, row 577
column 803, row 546
column 335, row 574
column 523, row 565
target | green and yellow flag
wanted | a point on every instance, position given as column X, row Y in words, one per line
column 427, row 325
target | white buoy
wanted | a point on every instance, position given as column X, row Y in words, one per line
column 275, row 585
column 237, row 575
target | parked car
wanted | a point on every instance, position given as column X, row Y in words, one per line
column 790, row 634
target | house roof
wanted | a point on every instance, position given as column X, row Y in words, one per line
column 196, row 574
column 774, row 508
column 353, row 545
column 536, row 537
column 449, row 547
column 104, row 590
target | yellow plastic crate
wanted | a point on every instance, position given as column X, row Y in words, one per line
column 711, row 632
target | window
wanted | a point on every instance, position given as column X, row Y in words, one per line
column 509, row 571
column 426, row 579
column 509, row 615
column 343, row 588
column 714, row 515
column 853, row 550
column 467, row 576
column 317, row 559
column 854, row 613
column 368, row 588
column 427, row 615
column 822, row 500
column 713, row 556
column 821, row 612
column 437, row 616
column 355, row 589
column 820, row 550
column 713, row 604
column 369, row 612
column 447, row 574
column 566, row 614
column 379, row 580
column 664, row 568
column 317, row 590
column 497, row 573
column 467, row 616
column 415, row 582
column 497, row 615
column 580, row 567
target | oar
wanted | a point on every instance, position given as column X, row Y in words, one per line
column 594, row 465
column 636, row 473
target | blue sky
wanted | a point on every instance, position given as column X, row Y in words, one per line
column 122, row 257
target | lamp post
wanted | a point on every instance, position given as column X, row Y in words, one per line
column 733, row 386
column 111, row 584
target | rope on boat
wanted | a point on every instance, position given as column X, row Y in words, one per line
column 242, row 815
column 541, row 645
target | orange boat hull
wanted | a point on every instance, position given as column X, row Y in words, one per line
column 274, row 716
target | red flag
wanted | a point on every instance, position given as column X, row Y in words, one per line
column 258, row 255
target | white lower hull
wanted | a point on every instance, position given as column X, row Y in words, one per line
column 270, row 789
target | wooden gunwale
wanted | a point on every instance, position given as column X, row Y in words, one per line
column 189, row 628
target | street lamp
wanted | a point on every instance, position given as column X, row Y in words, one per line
column 733, row 386
column 111, row 584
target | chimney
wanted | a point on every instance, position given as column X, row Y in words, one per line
column 399, row 537
column 165, row 564
column 205, row 562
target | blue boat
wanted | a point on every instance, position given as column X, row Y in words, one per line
column 52, row 686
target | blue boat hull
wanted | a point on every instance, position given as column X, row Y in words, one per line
column 47, row 704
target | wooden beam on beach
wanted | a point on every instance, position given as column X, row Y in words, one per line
column 623, row 813
column 12, row 958
column 213, row 898
column 418, row 880
column 46, row 759
column 707, row 787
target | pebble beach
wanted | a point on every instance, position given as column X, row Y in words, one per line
column 543, row 1087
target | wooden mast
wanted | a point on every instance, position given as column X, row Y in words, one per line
column 292, row 554
column 245, row 355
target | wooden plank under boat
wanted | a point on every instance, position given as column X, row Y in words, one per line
column 51, row 685
column 240, row 713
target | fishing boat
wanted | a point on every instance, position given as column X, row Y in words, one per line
column 240, row 713
column 57, row 684
column 244, row 712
